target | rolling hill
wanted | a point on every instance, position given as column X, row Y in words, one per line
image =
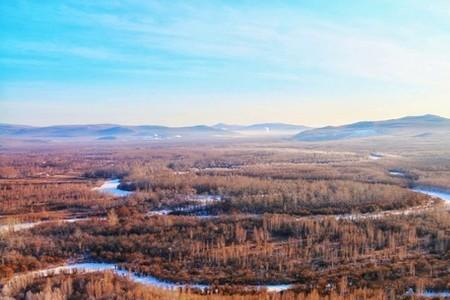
column 117, row 132
column 108, row 131
column 411, row 126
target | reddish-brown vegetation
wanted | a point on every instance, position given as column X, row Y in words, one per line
column 270, row 227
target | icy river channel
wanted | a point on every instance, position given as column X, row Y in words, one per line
column 111, row 186
column 89, row 267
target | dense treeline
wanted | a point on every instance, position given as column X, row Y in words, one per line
column 261, row 195
column 160, row 187
column 298, row 162
column 361, row 172
column 105, row 173
column 19, row 197
column 266, row 229
column 394, row 252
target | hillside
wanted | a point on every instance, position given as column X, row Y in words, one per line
column 411, row 126
column 108, row 131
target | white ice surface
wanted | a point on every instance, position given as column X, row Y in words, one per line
column 144, row 279
column 111, row 187
column 433, row 192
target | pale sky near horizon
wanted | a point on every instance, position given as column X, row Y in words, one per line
column 201, row 62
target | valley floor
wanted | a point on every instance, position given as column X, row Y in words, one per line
column 237, row 220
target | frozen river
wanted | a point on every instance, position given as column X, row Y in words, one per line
column 112, row 187
column 143, row 279
column 433, row 192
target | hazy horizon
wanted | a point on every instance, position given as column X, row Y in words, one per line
column 179, row 63
column 293, row 149
column 215, row 123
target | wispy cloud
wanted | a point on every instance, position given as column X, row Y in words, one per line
column 280, row 40
column 184, row 48
column 49, row 49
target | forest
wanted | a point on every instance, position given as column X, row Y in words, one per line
column 236, row 218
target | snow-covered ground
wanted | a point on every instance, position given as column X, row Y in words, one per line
column 162, row 212
column 382, row 214
column 28, row 225
column 397, row 173
column 144, row 279
column 206, row 198
column 375, row 156
column 18, row 227
column 201, row 202
column 111, row 187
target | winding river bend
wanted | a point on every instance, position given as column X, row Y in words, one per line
column 90, row 267
column 434, row 192
column 111, row 186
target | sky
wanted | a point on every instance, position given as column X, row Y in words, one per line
column 202, row 62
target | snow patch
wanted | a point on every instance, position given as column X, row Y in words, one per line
column 397, row 173
column 28, row 225
column 375, row 156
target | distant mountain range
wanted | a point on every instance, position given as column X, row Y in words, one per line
column 412, row 126
column 108, row 131
column 415, row 126
column 113, row 131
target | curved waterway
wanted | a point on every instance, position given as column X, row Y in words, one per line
column 429, row 294
column 434, row 192
column 155, row 282
column 112, row 187
column 431, row 191
column 201, row 202
column 434, row 294
column 143, row 279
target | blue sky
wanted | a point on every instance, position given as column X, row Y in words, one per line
column 189, row 62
